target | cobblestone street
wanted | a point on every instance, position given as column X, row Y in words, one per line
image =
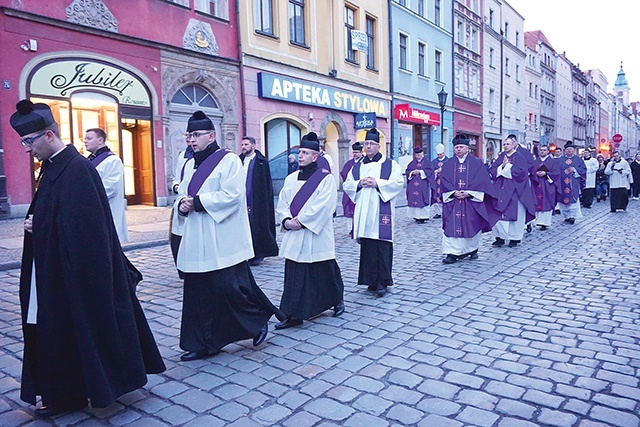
column 545, row 334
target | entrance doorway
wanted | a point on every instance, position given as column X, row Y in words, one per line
column 137, row 157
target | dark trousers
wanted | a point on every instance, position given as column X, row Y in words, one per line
column 636, row 188
column 587, row 197
column 376, row 260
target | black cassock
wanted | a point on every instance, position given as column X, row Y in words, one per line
column 262, row 216
column 91, row 339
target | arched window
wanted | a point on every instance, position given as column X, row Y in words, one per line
column 194, row 96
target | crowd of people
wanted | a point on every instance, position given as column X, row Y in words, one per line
column 86, row 337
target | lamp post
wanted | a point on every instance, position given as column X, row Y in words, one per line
column 442, row 100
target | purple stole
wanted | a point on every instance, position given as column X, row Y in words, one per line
column 187, row 155
column 323, row 163
column 249, row 184
column 307, row 189
column 101, row 157
column 384, row 220
column 204, row 170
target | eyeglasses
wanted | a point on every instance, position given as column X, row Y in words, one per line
column 197, row 134
column 371, row 143
column 28, row 141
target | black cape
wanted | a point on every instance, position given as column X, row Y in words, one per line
column 262, row 217
column 91, row 339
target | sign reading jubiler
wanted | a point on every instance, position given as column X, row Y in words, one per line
column 61, row 78
column 302, row 92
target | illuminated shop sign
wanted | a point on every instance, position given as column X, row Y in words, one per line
column 302, row 92
column 405, row 113
column 61, row 78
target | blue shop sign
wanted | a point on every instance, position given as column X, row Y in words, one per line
column 302, row 92
column 364, row 120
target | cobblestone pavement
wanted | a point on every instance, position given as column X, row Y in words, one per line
column 543, row 334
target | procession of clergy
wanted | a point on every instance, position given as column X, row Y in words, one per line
column 225, row 221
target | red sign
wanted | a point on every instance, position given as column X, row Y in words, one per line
column 407, row 114
column 616, row 138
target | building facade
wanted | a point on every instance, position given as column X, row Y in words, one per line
column 563, row 101
column 97, row 67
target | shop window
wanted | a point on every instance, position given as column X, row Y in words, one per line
column 282, row 138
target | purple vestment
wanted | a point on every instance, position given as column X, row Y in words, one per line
column 570, row 186
column 417, row 187
column 436, row 191
column 546, row 192
column 511, row 191
column 348, row 207
column 464, row 217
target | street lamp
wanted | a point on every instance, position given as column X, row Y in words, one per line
column 442, row 100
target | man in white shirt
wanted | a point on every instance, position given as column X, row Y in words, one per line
column 589, row 190
column 619, row 171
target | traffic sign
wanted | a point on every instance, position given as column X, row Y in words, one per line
column 616, row 138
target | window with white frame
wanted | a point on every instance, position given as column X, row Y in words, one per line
column 437, row 12
column 422, row 59
column 458, row 78
column 296, row 22
column 506, row 66
column 371, row 43
column 507, row 106
column 517, row 72
column 460, row 32
column 263, row 13
column 438, row 65
column 349, row 24
column 403, row 43
column 217, row 8
column 474, row 40
column 491, row 56
column 492, row 100
column 421, row 10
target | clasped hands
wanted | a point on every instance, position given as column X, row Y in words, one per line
column 369, row 182
column 186, row 205
column 461, row 194
column 293, row 224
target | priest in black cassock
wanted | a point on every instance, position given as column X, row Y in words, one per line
column 373, row 185
column 260, row 204
column 221, row 302
column 312, row 279
column 86, row 336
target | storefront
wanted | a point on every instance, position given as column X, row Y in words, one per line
column 415, row 128
column 285, row 109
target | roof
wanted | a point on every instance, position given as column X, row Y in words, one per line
column 534, row 37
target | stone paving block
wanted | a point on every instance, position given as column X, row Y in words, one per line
column 617, row 378
column 289, row 379
column 401, row 394
column 615, row 401
column 247, row 380
column 465, row 380
column 438, row 389
column 175, row 415
column 444, row 407
column 577, row 406
column 196, row 400
column 327, row 408
column 551, row 374
column 577, row 392
column 253, row 399
column 621, row 369
column 245, row 422
column 542, row 398
column 272, row 414
column 516, row 408
column 514, row 422
column 151, row 405
column 230, row 391
column 205, row 421
column 143, row 422
column 375, row 371
column 354, row 363
column 365, row 420
column 527, row 382
column 403, row 378
column 365, row 384
column 343, row 394
column 477, row 417
column 556, row 418
column 301, row 419
column 405, row 414
column 293, row 399
column 371, row 403
column 230, row 411
column 432, row 420
column 459, row 366
column 478, row 399
column 316, row 388
column 14, row 418
column 591, row 384
column 267, row 372
column 205, row 381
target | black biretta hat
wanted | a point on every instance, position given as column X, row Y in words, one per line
column 460, row 139
column 357, row 146
column 200, row 121
column 372, row 135
column 310, row 141
column 30, row 117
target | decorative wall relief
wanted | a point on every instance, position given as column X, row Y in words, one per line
column 92, row 13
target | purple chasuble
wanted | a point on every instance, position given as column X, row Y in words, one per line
column 418, row 188
column 517, row 189
column 545, row 191
column 307, row 190
column 434, row 181
column 384, row 219
column 569, row 184
column 101, row 158
column 204, row 170
column 348, row 207
column 463, row 217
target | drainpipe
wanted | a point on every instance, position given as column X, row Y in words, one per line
column 5, row 208
column 391, row 71
column 243, row 107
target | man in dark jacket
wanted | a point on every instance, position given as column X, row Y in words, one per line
column 259, row 201
column 85, row 334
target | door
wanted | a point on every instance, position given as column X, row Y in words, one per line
column 137, row 157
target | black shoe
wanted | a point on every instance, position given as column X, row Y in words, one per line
column 372, row 288
column 513, row 243
column 194, row 355
column 498, row 243
column 450, row 259
column 570, row 220
column 381, row 290
column 49, row 411
column 338, row 309
column 543, row 227
column 436, row 216
column 288, row 322
column 473, row 255
column 261, row 336
column 529, row 228
column 557, row 211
